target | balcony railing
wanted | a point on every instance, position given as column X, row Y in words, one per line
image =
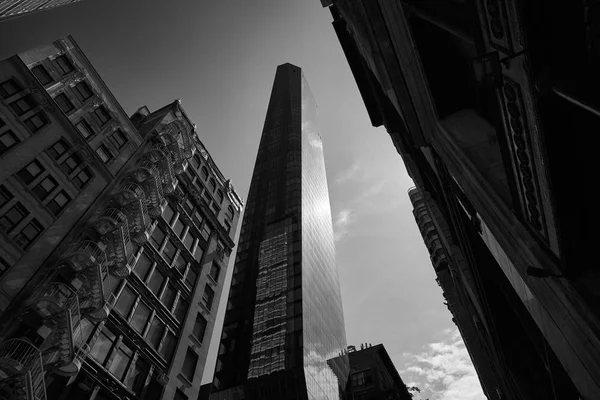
column 21, row 371
column 112, row 224
column 131, row 198
column 161, row 156
column 85, row 255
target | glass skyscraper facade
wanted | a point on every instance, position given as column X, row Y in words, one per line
column 284, row 318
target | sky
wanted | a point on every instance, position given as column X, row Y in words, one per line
column 219, row 58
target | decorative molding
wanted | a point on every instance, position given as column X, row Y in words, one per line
column 73, row 78
column 519, row 142
column 497, row 25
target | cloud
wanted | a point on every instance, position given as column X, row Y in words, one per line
column 341, row 223
column 444, row 370
column 348, row 174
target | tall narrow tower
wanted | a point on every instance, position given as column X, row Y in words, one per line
column 10, row 9
column 284, row 326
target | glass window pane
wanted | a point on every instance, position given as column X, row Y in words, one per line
column 119, row 364
column 208, row 296
column 178, row 228
column 140, row 317
column 168, row 346
column 168, row 296
column 157, row 237
column 198, row 253
column 181, row 309
column 125, row 302
column 142, row 266
column 137, row 377
column 156, row 282
column 191, row 278
column 205, row 232
column 155, row 332
column 199, row 327
column 169, row 251
column 102, row 345
column 188, row 242
column 168, row 213
column 189, row 364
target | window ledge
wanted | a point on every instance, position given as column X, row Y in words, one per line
column 194, row 339
column 211, row 280
column 203, row 308
column 186, row 383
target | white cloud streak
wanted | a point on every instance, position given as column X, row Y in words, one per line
column 348, row 174
column 340, row 226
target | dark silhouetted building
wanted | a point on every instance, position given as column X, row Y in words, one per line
column 115, row 235
column 488, row 103
column 284, row 316
column 16, row 8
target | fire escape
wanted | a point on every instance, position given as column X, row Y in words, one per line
column 21, row 371
column 113, row 226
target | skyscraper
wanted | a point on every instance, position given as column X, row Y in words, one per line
column 15, row 8
column 284, row 316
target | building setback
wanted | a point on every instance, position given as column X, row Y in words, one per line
column 116, row 235
column 10, row 9
column 284, row 317
column 479, row 98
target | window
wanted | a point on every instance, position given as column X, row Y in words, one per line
column 188, row 242
column 142, row 266
column 29, row 234
column 84, row 128
column 215, row 208
column 198, row 253
column 189, row 364
column 191, row 278
column 83, row 91
column 215, row 270
column 59, row 202
column 199, row 327
column 36, row 122
column 30, row 172
column 197, row 218
column 362, row 378
column 136, row 379
column 125, row 302
column 5, row 196
column 205, row 231
column 122, row 357
column 140, row 318
column 13, row 217
column 8, row 140
column 71, row 163
column 156, row 282
column 204, row 173
column 102, row 115
column 45, row 187
column 179, row 395
column 101, row 348
column 118, row 139
column 178, row 228
column 168, row 214
column 64, row 64
column 9, row 88
column 188, row 206
column 212, row 184
column 155, row 332
column 42, row 74
column 168, row 346
column 22, row 105
column 104, row 153
column 230, row 212
column 58, row 149
column 168, row 297
column 64, row 103
column 181, row 309
column 219, row 196
column 82, row 177
column 157, row 237
column 169, row 252
column 227, row 226
column 208, row 296
column 181, row 263
column 196, row 161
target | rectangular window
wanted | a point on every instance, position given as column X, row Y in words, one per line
column 102, row 115
column 29, row 234
column 199, row 327
column 101, row 348
column 168, row 213
column 188, row 206
column 140, row 317
column 9, row 88
column 142, row 267
column 181, row 263
column 157, row 237
column 208, row 296
column 83, row 177
column 36, row 122
column 30, row 172
column 71, row 163
column 8, row 140
column 118, row 139
column 64, row 64
column 189, row 364
column 178, row 228
column 179, row 395
column 168, row 297
column 104, row 153
column 188, row 242
column 181, row 309
column 215, row 270
column 42, row 74
column 191, row 278
column 169, row 252
column 58, row 149
column 22, row 105
column 83, row 91
column 168, row 346
column 84, row 128
column 5, row 196
column 215, row 208
column 156, row 282
column 59, row 202
column 45, row 187
column 125, row 302
column 205, row 232
column 13, row 217
column 155, row 332
column 198, row 253
column 197, row 218
column 227, row 226
column 64, row 103
column 136, row 379
column 362, row 378
column 120, row 362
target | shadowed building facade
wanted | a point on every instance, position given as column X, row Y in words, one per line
column 284, row 316
column 115, row 234
column 17, row 8
column 489, row 103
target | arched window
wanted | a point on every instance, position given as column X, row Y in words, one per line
column 204, row 173
column 230, row 212
column 219, row 196
column 196, row 161
column 212, row 185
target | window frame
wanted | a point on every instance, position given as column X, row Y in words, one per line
column 62, row 61
column 66, row 101
column 43, row 71
column 8, row 133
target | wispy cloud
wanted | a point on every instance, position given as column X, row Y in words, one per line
column 348, row 174
column 340, row 226
column 444, row 371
